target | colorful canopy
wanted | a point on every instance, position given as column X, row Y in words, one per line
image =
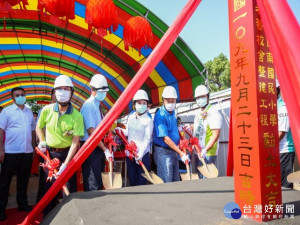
column 33, row 52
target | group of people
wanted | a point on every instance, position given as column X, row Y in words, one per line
column 61, row 129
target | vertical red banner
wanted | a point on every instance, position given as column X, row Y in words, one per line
column 254, row 115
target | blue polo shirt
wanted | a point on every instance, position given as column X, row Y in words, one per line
column 165, row 124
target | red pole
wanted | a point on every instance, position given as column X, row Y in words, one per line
column 283, row 33
column 229, row 171
column 158, row 52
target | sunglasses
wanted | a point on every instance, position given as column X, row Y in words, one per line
column 100, row 89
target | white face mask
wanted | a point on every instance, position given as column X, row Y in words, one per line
column 100, row 96
column 140, row 108
column 62, row 95
column 201, row 101
column 170, row 107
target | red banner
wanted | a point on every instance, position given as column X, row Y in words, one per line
column 254, row 115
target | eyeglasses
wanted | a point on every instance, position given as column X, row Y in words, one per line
column 63, row 88
column 18, row 95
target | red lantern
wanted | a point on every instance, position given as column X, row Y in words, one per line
column 137, row 33
column 6, row 7
column 101, row 14
column 58, row 8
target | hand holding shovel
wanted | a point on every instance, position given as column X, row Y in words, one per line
column 207, row 170
column 51, row 165
column 111, row 180
column 132, row 149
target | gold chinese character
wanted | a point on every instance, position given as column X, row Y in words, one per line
column 260, row 40
column 264, row 120
column 261, row 56
column 262, row 87
column 247, row 196
column 269, row 57
column 271, row 73
column 273, row 119
column 271, row 89
column 259, row 25
column 271, row 181
column 261, row 71
column 238, row 4
column 263, row 103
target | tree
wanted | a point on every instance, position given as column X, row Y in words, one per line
column 218, row 73
column 33, row 105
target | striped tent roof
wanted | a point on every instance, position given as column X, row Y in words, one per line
column 33, row 52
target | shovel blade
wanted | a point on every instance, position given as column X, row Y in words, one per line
column 212, row 170
column 116, row 181
column 204, row 171
column 294, row 177
column 186, row 176
column 154, row 179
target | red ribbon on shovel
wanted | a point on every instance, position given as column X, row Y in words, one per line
column 194, row 141
column 51, row 165
column 131, row 147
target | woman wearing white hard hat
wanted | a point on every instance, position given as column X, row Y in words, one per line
column 166, row 138
column 92, row 115
column 64, row 127
column 139, row 130
column 207, row 127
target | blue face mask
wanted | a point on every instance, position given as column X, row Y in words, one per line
column 20, row 100
column 140, row 108
column 100, row 96
column 201, row 101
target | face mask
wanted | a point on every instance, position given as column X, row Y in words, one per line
column 170, row 106
column 20, row 100
column 140, row 108
column 100, row 96
column 62, row 95
column 201, row 101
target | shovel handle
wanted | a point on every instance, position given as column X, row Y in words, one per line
column 188, row 169
column 186, row 131
column 146, row 171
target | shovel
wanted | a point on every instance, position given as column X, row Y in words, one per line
column 294, row 177
column 207, row 170
column 184, row 144
column 111, row 180
column 131, row 147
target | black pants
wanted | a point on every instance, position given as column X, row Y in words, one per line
column 21, row 164
column 91, row 170
column 286, row 165
column 41, row 190
column 71, row 184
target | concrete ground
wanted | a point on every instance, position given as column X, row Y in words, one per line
column 189, row 202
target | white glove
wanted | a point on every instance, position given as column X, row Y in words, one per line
column 203, row 152
column 108, row 154
column 42, row 146
column 127, row 153
column 61, row 169
column 184, row 158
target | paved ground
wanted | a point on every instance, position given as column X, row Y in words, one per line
column 190, row 202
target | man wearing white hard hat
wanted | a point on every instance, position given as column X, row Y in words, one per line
column 286, row 144
column 64, row 127
column 139, row 130
column 166, row 138
column 206, row 127
column 92, row 116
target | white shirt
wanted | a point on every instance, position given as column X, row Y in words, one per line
column 18, row 125
column 91, row 115
column 286, row 144
column 139, row 129
column 205, row 121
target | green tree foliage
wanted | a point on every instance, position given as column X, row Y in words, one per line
column 33, row 105
column 218, row 73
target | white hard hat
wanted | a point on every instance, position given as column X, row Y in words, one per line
column 140, row 95
column 201, row 90
column 277, row 83
column 169, row 92
column 99, row 81
column 63, row 80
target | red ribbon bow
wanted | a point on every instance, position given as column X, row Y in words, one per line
column 50, row 164
column 131, row 147
column 109, row 141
